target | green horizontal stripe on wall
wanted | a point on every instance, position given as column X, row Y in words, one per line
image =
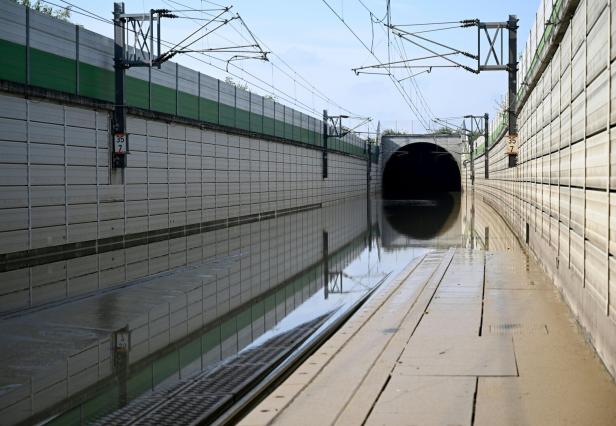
column 226, row 115
column 305, row 135
column 95, row 82
column 269, row 126
column 53, row 71
column 188, row 105
column 258, row 310
column 256, row 122
column 297, row 134
column 190, row 352
column 279, row 128
column 137, row 92
column 288, row 131
column 269, row 304
column 281, row 299
column 242, row 119
column 12, row 61
column 211, row 340
column 139, row 383
column 164, row 367
column 162, row 99
column 228, row 329
column 102, row 404
column 208, row 110
column 244, row 319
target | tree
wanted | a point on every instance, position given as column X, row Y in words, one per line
column 444, row 131
column 63, row 13
column 392, row 132
column 229, row 80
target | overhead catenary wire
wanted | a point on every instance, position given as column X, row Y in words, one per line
column 407, row 99
column 260, row 86
column 283, row 95
column 305, row 84
column 418, row 91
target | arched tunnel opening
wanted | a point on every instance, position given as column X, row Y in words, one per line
column 420, row 170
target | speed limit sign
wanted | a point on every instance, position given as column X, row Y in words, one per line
column 120, row 143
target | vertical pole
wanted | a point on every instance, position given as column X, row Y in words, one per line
column 119, row 110
column 472, row 239
column 77, row 59
column 369, row 220
column 28, row 61
column 471, row 143
column 325, row 130
column 486, row 135
column 368, row 178
column 121, row 348
column 512, row 26
column 151, row 58
column 325, row 264
column 118, row 60
column 157, row 41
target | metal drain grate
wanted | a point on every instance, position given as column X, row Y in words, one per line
column 260, row 355
column 185, row 409
column 517, row 328
column 289, row 338
column 227, row 380
column 205, row 394
column 131, row 411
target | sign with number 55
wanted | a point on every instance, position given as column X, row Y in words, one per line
column 120, row 143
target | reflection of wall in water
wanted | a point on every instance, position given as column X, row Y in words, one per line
column 489, row 229
column 219, row 339
column 421, row 223
column 250, row 277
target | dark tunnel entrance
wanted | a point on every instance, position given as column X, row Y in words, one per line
column 418, row 170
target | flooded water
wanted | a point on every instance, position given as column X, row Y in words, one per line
column 217, row 293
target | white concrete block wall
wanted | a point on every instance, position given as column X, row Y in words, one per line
column 56, row 184
column 563, row 186
column 260, row 257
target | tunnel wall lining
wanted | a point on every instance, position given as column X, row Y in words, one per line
column 56, row 187
column 563, row 186
column 392, row 143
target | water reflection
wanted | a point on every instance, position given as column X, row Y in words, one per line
column 236, row 287
column 424, row 218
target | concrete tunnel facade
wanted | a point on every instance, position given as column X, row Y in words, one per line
column 418, row 165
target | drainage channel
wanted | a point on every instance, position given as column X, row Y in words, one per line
column 204, row 396
column 223, row 394
column 290, row 364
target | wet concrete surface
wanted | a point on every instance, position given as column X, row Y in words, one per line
column 58, row 360
column 244, row 284
column 464, row 336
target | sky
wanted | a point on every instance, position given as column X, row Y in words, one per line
column 313, row 53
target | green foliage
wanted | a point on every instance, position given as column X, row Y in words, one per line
column 244, row 86
column 63, row 14
column 392, row 132
column 444, row 131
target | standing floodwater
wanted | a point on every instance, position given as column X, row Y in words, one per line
column 253, row 281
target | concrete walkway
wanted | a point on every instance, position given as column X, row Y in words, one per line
column 460, row 337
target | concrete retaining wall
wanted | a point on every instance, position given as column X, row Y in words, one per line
column 58, row 194
column 241, row 281
column 560, row 198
